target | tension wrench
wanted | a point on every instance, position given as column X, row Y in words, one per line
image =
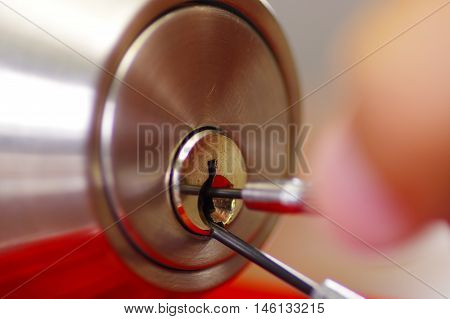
column 264, row 196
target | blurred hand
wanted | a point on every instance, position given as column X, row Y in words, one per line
column 382, row 168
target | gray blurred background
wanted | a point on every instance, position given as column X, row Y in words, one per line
column 312, row 27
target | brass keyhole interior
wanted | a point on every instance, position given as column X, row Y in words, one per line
column 190, row 167
column 216, row 210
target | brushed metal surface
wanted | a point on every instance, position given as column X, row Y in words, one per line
column 206, row 64
column 54, row 62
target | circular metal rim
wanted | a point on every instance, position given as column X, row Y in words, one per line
column 173, row 175
column 260, row 16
